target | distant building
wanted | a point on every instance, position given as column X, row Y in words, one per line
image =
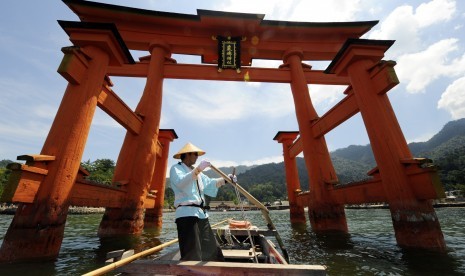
column 222, row 205
column 454, row 195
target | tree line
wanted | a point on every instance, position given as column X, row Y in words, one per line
column 267, row 183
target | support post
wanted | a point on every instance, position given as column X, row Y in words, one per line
column 415, row 222
column 36, row 231
column 154, row 216
column 137, row 158
column 324, row 214
column 297, row 214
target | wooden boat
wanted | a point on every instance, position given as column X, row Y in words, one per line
column 247, row 251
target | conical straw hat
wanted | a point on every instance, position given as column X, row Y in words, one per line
column 188, row 148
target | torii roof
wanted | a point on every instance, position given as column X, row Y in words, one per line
column 192, row 34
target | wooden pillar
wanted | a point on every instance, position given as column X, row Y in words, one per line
column 297, row 215
column 154, row 216
column 36, row 231
column 324, row 214
column 137, row 157
column 415, row 222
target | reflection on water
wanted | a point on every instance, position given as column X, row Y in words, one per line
column 369, row 248
column 425, row 262
column 137, row 242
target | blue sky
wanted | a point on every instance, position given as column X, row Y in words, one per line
column 235, row 122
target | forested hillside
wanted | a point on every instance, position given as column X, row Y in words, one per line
column 446, row 149
column 267, row 182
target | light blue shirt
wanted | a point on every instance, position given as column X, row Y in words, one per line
column 186, row 191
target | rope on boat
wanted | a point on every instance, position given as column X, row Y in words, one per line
column 134, row 257
column 244, row 217
column 256, row 202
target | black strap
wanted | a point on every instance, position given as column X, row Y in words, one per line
column 198, row 189
column 195, row 205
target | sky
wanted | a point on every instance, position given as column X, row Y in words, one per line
column 235, row 122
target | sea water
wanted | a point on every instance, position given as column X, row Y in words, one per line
column 369, row 249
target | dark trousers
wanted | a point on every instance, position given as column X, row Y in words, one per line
column 197, row 241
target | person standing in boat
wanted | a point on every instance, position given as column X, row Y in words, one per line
column 196, row 239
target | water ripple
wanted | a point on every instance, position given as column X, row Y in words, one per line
column 369, row 249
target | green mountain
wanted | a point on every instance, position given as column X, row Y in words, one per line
column 429, row 149
column 446, row 149
column 267, row 182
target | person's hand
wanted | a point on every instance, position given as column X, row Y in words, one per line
column 203, row 165
column 220, row 182
column 232, row 177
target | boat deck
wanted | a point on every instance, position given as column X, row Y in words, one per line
column 169, row 267
column 239, row 259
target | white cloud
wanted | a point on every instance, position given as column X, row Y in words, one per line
column 453, row 99
column 238, row 101
column 45, row 111
column 401, row 26
column 325, row 96
column 25, row 130
column 232, row 101
column 305, row 11
column 405, row 25
column 434, row 11
column 419, row 69
column 324, row 11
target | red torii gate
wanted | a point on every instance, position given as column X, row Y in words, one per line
column 49, row 182
column 407, row 184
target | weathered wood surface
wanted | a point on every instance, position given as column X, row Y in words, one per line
column 150, row 267
column 36, row 157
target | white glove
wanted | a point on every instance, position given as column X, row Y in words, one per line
column 203, row 165
column 220, row 182
column 232, row 177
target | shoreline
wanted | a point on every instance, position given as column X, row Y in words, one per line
column 78, row 210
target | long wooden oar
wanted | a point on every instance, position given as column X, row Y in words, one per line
column 144, row 253
column 256, row 202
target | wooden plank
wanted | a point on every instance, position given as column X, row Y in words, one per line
column 424, row 183
column 370, row 191
column 244, row 232
column 22, row 186
column 25, row 181
column 415, row 160
column 373, row 171
column 150, row 267
column 23, row 167
column 340, row 113
column 296, row 148
column 114, row 106
column 210, row 72
column 95, row 195
column 149, row 201
column 35, row 157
